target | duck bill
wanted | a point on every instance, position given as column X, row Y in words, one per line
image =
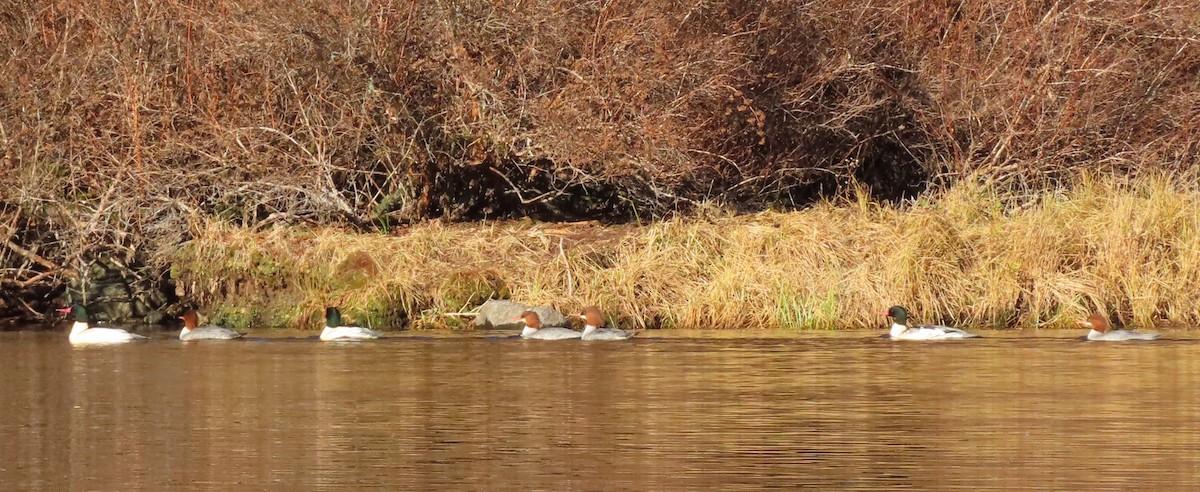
column 64, row 310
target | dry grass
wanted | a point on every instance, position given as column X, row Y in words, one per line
column 969, row 257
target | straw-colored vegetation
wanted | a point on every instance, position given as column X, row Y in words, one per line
column 968, row 256
column 124, row 124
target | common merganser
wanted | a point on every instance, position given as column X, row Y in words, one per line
column 334, row 331
column 1100, row 331
column 208, row 332
column 901, row 330
column 593, row 326
column 533, row 329
column 83, row 334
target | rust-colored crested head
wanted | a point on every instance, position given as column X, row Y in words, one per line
column 1096, row 322
column 592, row 316
column 190, row 319
column 531, row 319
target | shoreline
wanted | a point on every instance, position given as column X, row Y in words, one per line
column 1130, row 248
column 292, row 334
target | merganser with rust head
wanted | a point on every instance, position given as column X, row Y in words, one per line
column 593, row 326
column 334, row 331
column 533, row 329
column 191, row 331
column 901, row 331
column 83, row 334
column 1100, row 331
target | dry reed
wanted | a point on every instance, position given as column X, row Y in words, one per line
column 970, row 257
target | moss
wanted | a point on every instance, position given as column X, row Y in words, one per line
column 356, row 270
column 380, row 312
column 237, row 317
column 463, row 289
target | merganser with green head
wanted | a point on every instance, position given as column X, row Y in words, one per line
column 334, row 331
column 901, row 331
column 82, row 333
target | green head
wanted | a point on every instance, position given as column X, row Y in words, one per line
column 79, row 311
column 333, row 317
column 897, row 313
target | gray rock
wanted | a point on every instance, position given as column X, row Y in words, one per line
column 117, row 294
column 500, row 313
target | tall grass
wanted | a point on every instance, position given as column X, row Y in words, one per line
column 969, row 256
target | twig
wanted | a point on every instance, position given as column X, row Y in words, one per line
column 570, row 277
column 12, row 227
column 35, row 279
column 36, row 258
column 29, row 308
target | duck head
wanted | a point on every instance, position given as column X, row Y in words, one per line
column 1096, row 322
column 531, row 320
column 592, row 316
column 190, row 319
column 80, row 312
column 898, row 314
column 333, row 317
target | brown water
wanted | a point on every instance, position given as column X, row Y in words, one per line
column 473, row 413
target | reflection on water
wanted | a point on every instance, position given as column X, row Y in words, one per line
column 484, row 413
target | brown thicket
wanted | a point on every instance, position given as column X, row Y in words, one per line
column 123, row 123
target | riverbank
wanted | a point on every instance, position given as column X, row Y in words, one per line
column 967, row 256
column 128, row 131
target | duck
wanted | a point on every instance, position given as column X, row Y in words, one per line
column 82, row 333
column 533, row 329
column 593, row 326
column 901, row 331
column 334, row 331
column 192, row 332
column 1100, row 331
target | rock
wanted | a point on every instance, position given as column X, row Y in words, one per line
column 118, row 294
column 500, row 313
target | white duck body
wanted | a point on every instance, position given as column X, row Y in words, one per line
column 334, row 331
column 928, row 332
column 208, row 332
column 901, row 331
column 1101, row 332
column 82, row 333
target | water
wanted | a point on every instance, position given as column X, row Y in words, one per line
column 845, row 412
